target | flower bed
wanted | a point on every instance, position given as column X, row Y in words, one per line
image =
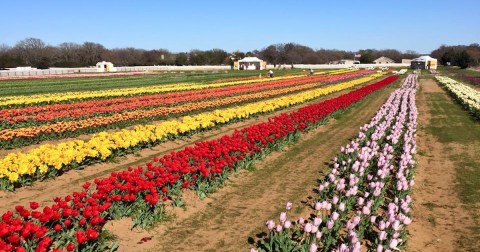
column 363, row 204
column 21, row 136
column 75, row 222
column 20, row 101
column 468, row 97
column 18, row 169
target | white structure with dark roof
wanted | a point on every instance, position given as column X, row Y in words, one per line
column 383, row 60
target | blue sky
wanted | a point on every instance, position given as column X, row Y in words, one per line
column 245, row 24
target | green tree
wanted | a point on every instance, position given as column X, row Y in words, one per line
column 463, row 59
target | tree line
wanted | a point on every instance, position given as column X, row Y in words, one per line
column 36, row 53
column 459, row 55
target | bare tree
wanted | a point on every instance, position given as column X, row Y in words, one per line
column 31, row 50
column 68, row 54
column 91, row 53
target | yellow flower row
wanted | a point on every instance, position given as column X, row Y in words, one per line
column 59, row 97
column 104, row 144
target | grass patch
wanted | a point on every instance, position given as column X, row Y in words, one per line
column 432, row 220
column 58, row 85
column 449, row 122
column 430, row 205
column 459, row 133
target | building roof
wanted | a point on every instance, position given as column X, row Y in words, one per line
column 424, row 58
column 250, row 59
column 383, row 58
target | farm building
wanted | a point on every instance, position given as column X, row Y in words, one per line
column 250, row 63
column 424, row 62
column 383, row 60
column 105, row 66
column 406, row 61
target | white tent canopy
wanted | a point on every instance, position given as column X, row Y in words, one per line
column 250, row 59
column 423, row 58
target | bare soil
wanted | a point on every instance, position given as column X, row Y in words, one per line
column 440, row 218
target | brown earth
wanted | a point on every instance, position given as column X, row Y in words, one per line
column 439, row 216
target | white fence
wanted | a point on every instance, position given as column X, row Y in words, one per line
column 335, row 66
column 60, row 71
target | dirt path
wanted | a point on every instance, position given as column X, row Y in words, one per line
column 441, row 221
column 232, row 218
column 44, row 191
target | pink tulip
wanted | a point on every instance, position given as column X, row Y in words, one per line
column 288, row 206
column 393, row 244
column 317, row 221
column 270, row 224
column 330, row 224
column 313, row 247
column 279, row 228
column 287, row 224
column 318, row 235
column 308, row 228
column 283, row 217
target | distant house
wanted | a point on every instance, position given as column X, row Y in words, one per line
column 424, row 62
column 383, row 60
column 250, row 63
column 105, row 66
column 406, row 61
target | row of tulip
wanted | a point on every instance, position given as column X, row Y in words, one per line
column 19, row 101
column 473, row 79
column 363, row 204
column 35, row 115
column 48, row 160
column 75, row 222
column 468, row 97
column 10, row 138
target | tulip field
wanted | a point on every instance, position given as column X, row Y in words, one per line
column 363, row 201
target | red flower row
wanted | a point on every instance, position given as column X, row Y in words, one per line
column 95, row 107
column 145, row 188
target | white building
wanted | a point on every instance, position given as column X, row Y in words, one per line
column 383, row 60
column 105, row 66
column 250, row 63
